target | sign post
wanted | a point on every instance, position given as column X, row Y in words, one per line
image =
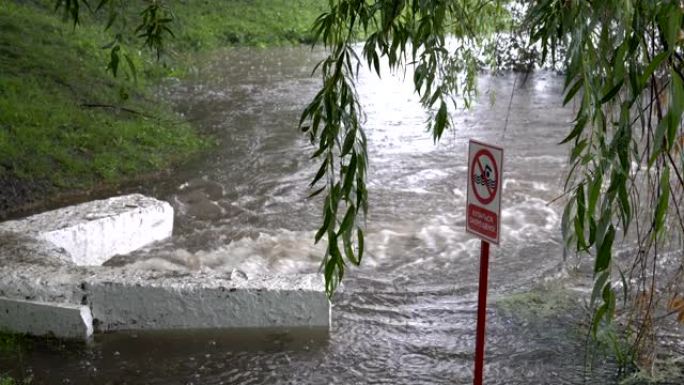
column 481, row 313
column 483, row 218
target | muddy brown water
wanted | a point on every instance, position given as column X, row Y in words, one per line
column 407, row 316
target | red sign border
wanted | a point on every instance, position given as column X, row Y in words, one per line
column 485, row 152
column 499, row 190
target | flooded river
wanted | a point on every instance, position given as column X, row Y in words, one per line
column 407, row 316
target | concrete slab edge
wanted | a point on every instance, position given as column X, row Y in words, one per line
column 120, row 299
column 46, row 319
column 93, row 232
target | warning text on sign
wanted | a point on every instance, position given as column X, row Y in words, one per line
column 482, row 221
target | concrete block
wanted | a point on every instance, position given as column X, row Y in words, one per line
column 93, row 232
column 51, row 284
column 45, row 319
column 204, row 301
column 124, row 299
column 26, row 250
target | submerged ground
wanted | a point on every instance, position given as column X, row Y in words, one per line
column 408, row 315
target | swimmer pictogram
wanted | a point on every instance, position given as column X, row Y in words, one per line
column 484, row 176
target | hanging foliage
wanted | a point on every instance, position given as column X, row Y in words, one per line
column 623, row 69
column 442, row 41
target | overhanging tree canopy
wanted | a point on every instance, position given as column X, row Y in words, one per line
column 623, row 68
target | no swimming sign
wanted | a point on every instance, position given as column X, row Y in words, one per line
column 483, row 205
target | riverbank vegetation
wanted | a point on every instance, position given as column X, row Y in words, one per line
column 260, row 23
column 11, row 345
column 67, row 124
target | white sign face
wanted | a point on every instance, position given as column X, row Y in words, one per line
column 483, row 206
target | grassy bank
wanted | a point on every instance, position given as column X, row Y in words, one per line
column 67, row 124
column 212, row 24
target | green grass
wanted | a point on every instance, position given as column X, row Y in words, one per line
column 12, row 345
column 540, row 303
column 67, row 124
column 666, row 371
column 52, row 76
column 49, row 72
column 211, row 24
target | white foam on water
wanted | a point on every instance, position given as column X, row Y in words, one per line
column 531, row 219
column 562, row 160
column 540, row 186
column 509, row 182
column 285, row 252
column 382, row 242
column 415, row 190
column 429, row 241
column 459, row 193
column 425, row 175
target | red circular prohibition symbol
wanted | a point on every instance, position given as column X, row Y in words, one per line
column 484, row 178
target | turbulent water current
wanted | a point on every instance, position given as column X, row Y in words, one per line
column 407, row 316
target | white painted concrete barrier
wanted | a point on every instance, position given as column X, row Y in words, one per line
column 46, row 319
column 93, row 232
column 43, row 293
column 121, row 299
column 207, row 301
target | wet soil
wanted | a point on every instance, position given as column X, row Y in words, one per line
column 21, row 197
column 17, row 195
